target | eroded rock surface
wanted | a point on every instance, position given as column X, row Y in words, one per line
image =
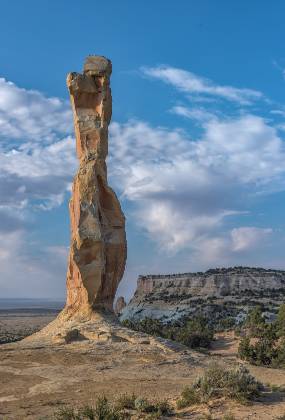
column 120, row 305
column 216, row 294
column 98, row 240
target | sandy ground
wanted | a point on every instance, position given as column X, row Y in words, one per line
column 17, row 324
column 35, row 379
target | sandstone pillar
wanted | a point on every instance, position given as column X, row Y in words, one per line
column 98, row 242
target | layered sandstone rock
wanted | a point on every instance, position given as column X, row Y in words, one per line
column 214, row 282
column 98, row 242
column 217, row 293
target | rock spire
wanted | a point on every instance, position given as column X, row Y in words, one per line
column 98, row 241
column 120, row 305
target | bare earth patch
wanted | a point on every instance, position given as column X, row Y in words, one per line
column 17, row 324
column 38, row 375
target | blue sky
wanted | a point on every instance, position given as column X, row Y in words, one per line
column 196, row 141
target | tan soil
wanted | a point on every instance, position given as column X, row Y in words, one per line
column 17, row 325
column 37, row 378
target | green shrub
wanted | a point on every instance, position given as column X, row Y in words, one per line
column 103, row 410
column 144, row 406
column 69, row 413
column 162, row 408
column 157, row 408
column 126, row 401
column 225, row 324
column 211, row 382
column 241, row 385
column 189, row 396
column 194, row 333
column 268, row 350
column 87, row 412
column 262, row 352
column 255, row 322
column 66, row 413
column 279, row 361
column 280, row 321
column 216, row 382
column 244, row 349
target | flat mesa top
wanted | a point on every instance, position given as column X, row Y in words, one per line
column 96, row 65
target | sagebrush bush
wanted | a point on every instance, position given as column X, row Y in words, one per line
column 66, row 413
column 189, row 396
column 162, row 408
column 237, row 384
column 144, row 406
column 102, row 410
column 126, row 401
column 241, row 385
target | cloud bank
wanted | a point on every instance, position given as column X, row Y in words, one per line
column 37, row 161
column 187, row 194
column 184, row 190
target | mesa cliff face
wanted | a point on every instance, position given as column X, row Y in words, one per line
column 174, row 296
column 98, row 241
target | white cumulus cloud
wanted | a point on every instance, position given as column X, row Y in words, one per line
column 37, row 157
column 183, row 189
column 28, row 115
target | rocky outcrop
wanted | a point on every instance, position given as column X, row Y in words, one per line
column 219, row 291
column 120, row 305
column 218, row 282
column 98, row 241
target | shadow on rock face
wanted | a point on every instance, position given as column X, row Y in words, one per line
column 74, row 335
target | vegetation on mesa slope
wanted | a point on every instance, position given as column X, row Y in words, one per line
column 194, row 333
column 218, row 270
column 264, row 343
column 240, row 269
